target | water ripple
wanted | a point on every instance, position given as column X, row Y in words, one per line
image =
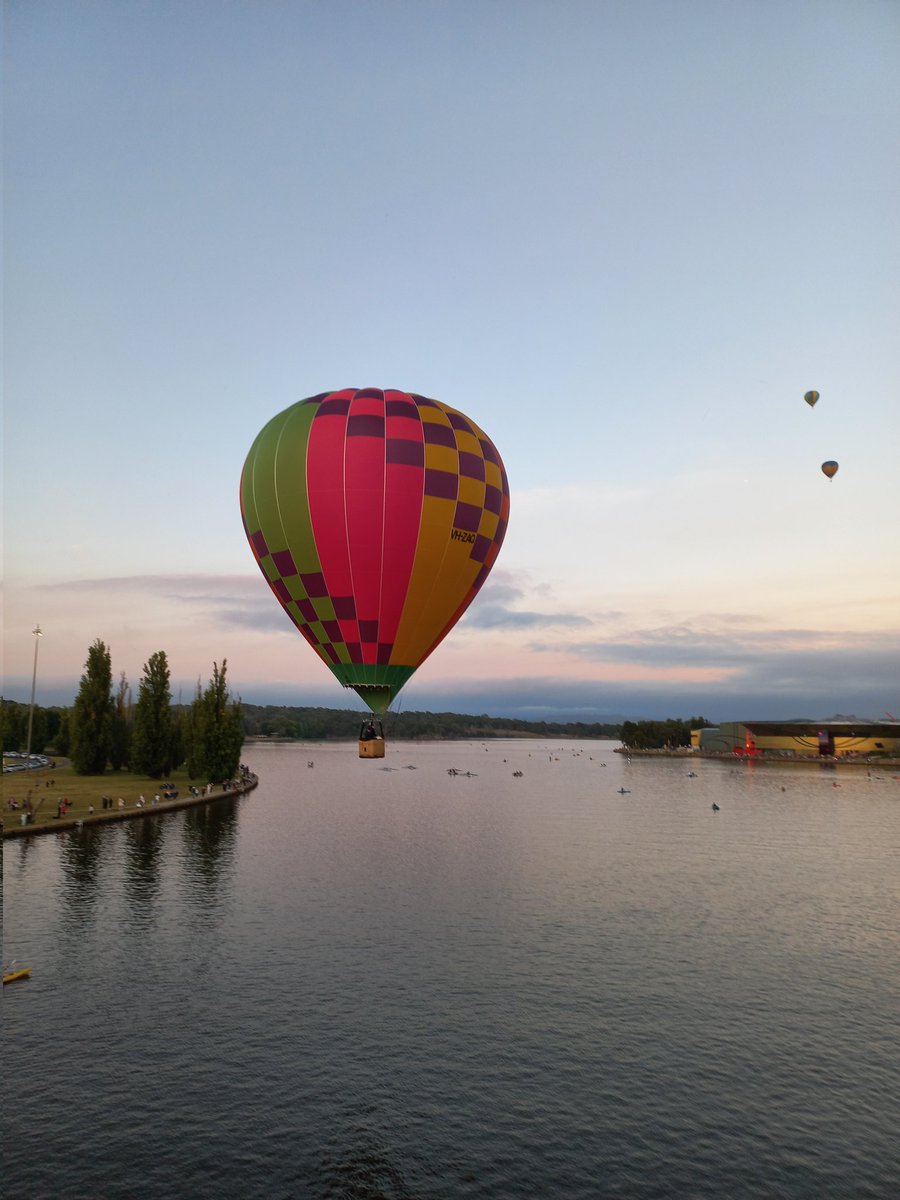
column 370, row 986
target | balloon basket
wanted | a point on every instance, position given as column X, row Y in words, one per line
column 372, row 748
column 371, row 739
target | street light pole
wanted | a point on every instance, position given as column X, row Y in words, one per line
column 37, row 640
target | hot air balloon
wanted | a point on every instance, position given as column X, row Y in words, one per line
column 375, row 517
column 811, row 398
column 830, row 468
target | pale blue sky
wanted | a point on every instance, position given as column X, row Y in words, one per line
column 625, row 237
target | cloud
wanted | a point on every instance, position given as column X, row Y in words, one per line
column 243, row 602
column 495, row 607
column 589, row 665
column 180, row 586
column 746, row 663
column 560, row 699
column 693, row 646
column 229, row 601
column 496, row 616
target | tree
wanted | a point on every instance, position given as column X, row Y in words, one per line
column 658, row 735
column 216, row 733
column 63, row 736
column 120, row 731
column 15, row 723
column 91, row 714
column 179, row 736
column 151, row 738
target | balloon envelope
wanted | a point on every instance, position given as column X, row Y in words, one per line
column 830, row 468
column 811, row 398
column 375, row 517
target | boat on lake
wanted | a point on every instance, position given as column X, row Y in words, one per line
column 14, row 973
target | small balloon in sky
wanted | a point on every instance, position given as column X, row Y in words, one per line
column 375, row 517
column 830, row 468
column 811, row 398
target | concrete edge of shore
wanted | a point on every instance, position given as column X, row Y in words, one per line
column 64, row 824
column 767, row 760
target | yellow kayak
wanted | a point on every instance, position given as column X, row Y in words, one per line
column 12, row 976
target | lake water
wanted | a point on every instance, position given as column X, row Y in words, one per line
column 359, row 982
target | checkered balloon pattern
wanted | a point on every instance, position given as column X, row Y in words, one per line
column 375, row 517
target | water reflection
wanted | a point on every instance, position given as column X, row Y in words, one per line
column 414, row 984
column 24, row 848
column 209, row 838
column 143, row 843
column 358, row 1163
column 81, row 855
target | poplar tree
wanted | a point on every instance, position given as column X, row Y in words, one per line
column 151, row 735
column 89, row 725
column 216, row 731
column 120, row 730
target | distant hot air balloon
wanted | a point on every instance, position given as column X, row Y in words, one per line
column 830, row 468
column 375, row 516
column 811, row 398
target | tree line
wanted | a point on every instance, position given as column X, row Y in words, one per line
column 660, row 735
column 322, row 724
column 153, row 736
column 105, row 729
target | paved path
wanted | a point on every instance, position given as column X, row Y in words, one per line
column 105, row 816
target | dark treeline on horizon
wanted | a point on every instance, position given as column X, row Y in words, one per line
column 342, row 724
column 319, row 724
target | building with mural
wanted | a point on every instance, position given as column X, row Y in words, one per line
column 839, row 737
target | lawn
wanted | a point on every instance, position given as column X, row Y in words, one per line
column 47, row 788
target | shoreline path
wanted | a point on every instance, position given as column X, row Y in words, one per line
column 224, row 791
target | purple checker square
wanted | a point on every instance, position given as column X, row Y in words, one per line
column 258, row 542
column 440, row 483
column 404, row 452
column 383, row 654
column 458, row 421
column 438, row 435
column 337, row 406
column 489, row 452
column 368, row 631
column 480, row 549
column 492, row 499
column 314, row 583
column 284, row 563
column 423, row 401
column 365, row 425
column 355, row 651
column 279, row 587
column 400, row 408
column 344, row 608
column 308, row 609
column 471, row 465
column 333, row 630
column 331, row 652
column 370, row 394
column 467, row 517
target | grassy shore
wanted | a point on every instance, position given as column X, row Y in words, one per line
column 48, row 787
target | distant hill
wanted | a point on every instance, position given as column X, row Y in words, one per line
column 319, row 724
